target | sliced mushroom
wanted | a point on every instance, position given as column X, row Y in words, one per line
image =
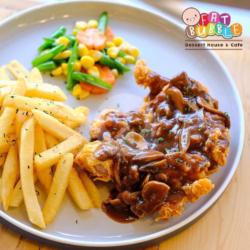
column 148, row 156
column 162, row 177
column 155, row 191
column 177, row 98
column 116, row 173
column 135, row 140
column 180, row 80
column 184, row 140
column 146, row 180
column 129, row 198
column 106, row 150
column 133, row 174
column 154, row 167
column 202, row 103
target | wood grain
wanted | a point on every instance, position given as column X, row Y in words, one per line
column 227, row 225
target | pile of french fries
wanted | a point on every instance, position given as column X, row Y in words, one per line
column 37, row 146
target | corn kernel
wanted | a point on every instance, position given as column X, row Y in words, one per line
column 87, row 62
column 63, row 40
column 77, row 66
column 75, row 31
column 121, row 60
column 125, row 47
column 64, row 66
column 81, row 25
column 109, row 44
column 92, row 23
column 117, row 41
column 134, row 52
column 84, row 94
column 129, row 59
column 79, row 93
column 113, row 52
column 57, row 72
column 65, row 71
column 82, row 50
column 76, row 90
column 63, row 55
column 94, row 71
column 95, row 54
column 115, row 72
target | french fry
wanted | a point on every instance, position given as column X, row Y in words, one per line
column 51, row 141
column 3, row 74
column 53, row 126
column 92, row 190
column 71, row 124
column 44, row 175
column 53, row 108
column 0, row 190
column 21, row 117
column 17, row 69
column 82, row 112
column 9, row 176
column 58, row 187
column 7, row 83
column 40, row 144
column 76, row 112
column 78, row 192
column 51, row 156
column 4, row 91
column 46, row 91
column 17, row 195
column 35, row 76
column 48, row 141
column 26, row 172
column 20, row 87
column 2, row 159
column 6, row 119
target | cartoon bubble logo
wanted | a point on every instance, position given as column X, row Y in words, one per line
column 209, row 24
column 191, row 16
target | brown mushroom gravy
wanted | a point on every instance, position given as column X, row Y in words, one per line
column 160, row 156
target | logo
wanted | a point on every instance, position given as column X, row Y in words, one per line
column 212, row 25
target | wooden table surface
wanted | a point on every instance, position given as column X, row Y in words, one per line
column 227, row 225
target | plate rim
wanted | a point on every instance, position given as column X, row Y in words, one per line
column 182, row 224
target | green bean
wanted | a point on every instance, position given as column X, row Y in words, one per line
column 48, row 42
column 121, row 53
column 113, row 64
column 48, row 55
column 59, row 32
column 73, row 57
column 72, row 39
column 47, row 66
column 83, row 77
column 103, row 21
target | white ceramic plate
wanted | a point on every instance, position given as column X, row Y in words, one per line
column 162, row 45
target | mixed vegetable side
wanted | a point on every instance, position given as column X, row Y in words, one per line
column 91, row 58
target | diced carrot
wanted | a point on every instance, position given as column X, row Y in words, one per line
column 92, row 38
column 109, row 34
column 106, row 75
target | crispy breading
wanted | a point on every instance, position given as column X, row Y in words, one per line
column 217, row 144
column 141, row 72
column 169, row 210
column 198, row 188
column 100, row 170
